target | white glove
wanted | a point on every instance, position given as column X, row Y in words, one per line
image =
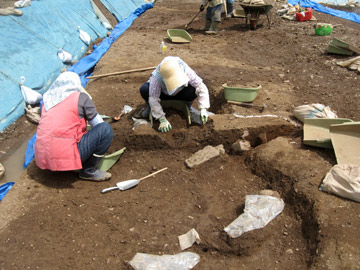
column 204, row 115
column 164, row 125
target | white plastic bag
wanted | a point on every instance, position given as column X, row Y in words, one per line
column 22, row 3
column 188, row 239
column 314, row 110
column 85, row 37
column 107, row 25
column 180, row 261
column 64, row 56
column 259, row 211
column 33, row 114
column 343, row 180
column 30, row 96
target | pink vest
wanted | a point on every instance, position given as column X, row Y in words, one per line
column 59, row 131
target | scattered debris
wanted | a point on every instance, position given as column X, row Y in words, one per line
column 343, row 180
column 207, row 153
column 180, row 261
column 188, row 239
column 259, row 211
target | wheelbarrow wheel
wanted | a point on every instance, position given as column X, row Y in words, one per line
column 253, row 24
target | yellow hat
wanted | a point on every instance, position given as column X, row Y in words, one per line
column 173, row 75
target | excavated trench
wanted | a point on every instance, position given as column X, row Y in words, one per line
column 291, row 240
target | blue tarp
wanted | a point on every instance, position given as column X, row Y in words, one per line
column 86, row 65
column 334, row 12
column 121, row 8
column 5, row 189
column 29, row 48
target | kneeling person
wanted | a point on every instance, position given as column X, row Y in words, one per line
column 173, row 79
column 62, row 141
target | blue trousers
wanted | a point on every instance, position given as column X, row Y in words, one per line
column 96, row 141
column 187, row 94
column 214, row 13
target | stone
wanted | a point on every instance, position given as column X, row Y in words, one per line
column 202, row 156
column 241, row 146
column 269, row 192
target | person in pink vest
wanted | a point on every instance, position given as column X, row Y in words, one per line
column 62, row 141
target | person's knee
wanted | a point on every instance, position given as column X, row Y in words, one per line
column 108, row 131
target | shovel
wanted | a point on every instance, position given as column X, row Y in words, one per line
column 197, row 14
column 125, row 110
column 124, row 185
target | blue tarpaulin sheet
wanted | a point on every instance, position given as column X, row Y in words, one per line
column 86, row 64
column 121, row 8
column 5, row 189
column 29, row 48
column 320, row 8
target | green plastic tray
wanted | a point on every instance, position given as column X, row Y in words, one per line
column 109, row 160
column 179, row 36
column 338, row 50
column 317, row 131
column 242, row 94
column 343, row 45
column 346, row 141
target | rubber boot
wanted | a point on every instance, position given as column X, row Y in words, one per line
column 207, row 25
column 230, row 9
column 213, row 28
column 91, row 172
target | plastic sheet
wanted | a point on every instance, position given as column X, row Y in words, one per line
column 5, row 189
column 259, row 211
column 180, row 261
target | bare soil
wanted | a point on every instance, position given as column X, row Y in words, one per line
column 55, row 221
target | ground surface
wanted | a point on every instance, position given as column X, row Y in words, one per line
column 54, row 221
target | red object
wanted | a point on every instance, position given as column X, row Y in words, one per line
column 308, row 15
column 59, row 131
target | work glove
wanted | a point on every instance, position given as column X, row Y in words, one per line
column 202, row 7
column 164, row 125
column 204, row 115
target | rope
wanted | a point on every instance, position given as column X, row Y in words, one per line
column 23, row 25
column 10, row 78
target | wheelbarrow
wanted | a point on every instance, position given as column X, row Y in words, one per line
column 254, row 11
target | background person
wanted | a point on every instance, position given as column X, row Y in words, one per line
column 213, row 15
column 62, row 141
column 173, row 79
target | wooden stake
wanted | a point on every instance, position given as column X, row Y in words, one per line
column 120, row 72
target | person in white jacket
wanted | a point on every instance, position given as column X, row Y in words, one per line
column 173, row 79
column 213, row 15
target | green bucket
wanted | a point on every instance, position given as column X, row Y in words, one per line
column 239, row 93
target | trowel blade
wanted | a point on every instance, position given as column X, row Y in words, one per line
column 124, row 185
